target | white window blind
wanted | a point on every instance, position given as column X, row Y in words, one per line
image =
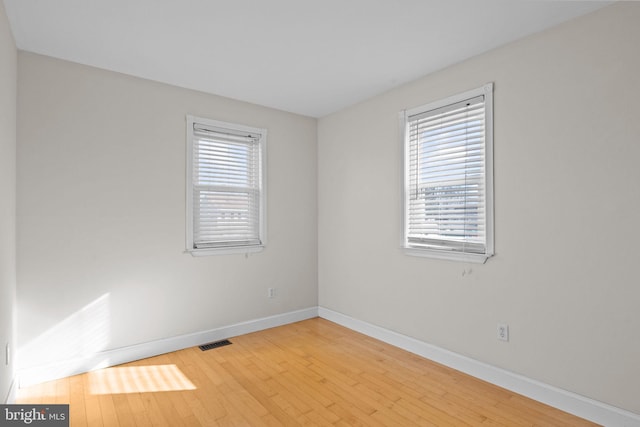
column 448, row 194
column 226, row 194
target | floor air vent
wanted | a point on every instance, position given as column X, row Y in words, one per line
column 216, row 344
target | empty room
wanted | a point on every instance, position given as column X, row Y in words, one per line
column 281, row 212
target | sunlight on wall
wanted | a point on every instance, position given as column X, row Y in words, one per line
column 82, row 334
column 138, row 379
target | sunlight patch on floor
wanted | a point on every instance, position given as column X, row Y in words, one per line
column 138, row 379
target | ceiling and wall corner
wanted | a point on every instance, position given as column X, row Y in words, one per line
column 310, row 58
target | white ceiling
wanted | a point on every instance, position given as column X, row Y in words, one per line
column 311, row 57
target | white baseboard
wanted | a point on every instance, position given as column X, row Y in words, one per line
column 580, row 406
column 104, row 359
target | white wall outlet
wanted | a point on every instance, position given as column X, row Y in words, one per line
column 271, row 292
column 503, row 332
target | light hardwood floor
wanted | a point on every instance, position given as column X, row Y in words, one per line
column 307, row 373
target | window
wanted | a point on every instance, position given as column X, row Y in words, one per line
column 225, row 187
column 448, row 197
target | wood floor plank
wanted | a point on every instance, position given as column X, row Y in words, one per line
column 138, row 410
column 310, row 373
column 93, row 410
column 77, row 411
column 108, row 410
column 290, row 382
column 62, row 391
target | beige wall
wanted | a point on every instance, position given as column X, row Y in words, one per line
column 567, row 201
column 101, row 214
column 8, row 83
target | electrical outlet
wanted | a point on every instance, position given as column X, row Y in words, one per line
column 271, row 292
column 7, row 353
column 503, row 332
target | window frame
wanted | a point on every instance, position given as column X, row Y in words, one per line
column 232, row 128
column 453, row 254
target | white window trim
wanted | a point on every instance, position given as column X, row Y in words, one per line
column 245, row 249
column 487, row 91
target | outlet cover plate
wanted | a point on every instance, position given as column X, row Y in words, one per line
column 503, row 332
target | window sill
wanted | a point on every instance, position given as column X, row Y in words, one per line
column 449, row 256
column 225, row 251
